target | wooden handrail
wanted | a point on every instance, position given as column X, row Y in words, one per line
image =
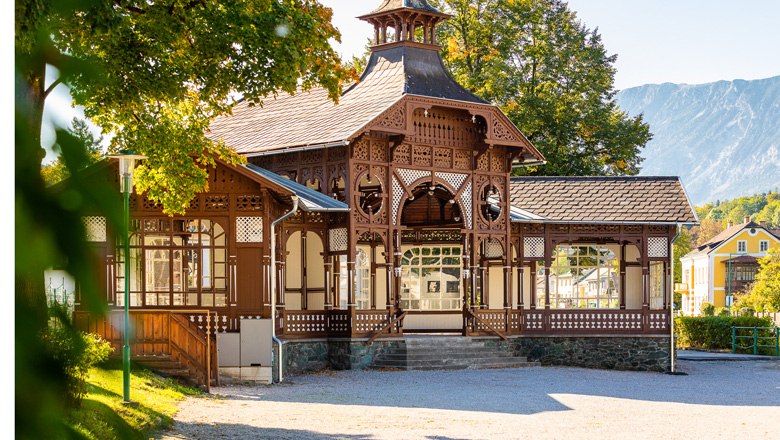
column 386, row 326
column 489, row 327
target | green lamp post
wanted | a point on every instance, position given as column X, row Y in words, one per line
column 127, row 159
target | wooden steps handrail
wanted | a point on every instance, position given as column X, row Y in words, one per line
column 488, row 326
column 386, row 326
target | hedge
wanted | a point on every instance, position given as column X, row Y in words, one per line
column 712, row 332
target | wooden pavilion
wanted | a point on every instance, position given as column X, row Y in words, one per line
column 395, row 213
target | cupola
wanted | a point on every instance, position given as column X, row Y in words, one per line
column 400, row 22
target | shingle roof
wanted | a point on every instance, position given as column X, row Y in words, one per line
column 310, row 118
column 391, row 5
column 603, row 199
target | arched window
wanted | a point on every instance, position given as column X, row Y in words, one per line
column 175, row 263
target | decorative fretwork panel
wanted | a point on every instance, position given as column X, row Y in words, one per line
column 403, row 154
column 421, row 156
column 442, row 157
column 465, row 201
column 360, row 150
column 338, row 239
column 95, row 227
column 501, row 131
column 216, row 202
column 249, row 229
column 298, row 322
column 379, row 150
column 493, row 249
column 249, row 203
column 461, row 160
column 632, row 229
column 433, row 236
column 658, row 321
column 533, row 247
column 393, row 118
column 455, row 180
column 657, row 247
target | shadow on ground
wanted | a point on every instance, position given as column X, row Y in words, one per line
column 525, row 391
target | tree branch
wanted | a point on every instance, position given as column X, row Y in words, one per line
column 51, row 87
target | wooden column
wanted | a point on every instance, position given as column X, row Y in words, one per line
column 336, row 282
column 645, row 271
column 328, row 274
column 533, row 285
column 373, row 274
column 397, row 269
column 520, row 285
column 351, row 285
column 622, row 276
column 507, row 286
column 304, row 281
column 484, row 283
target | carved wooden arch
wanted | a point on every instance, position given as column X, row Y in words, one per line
column 426, row 177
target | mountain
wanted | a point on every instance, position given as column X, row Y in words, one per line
column 722, row 138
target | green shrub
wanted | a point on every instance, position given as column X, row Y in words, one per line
column 723, row 312
column 747, row 311
column 712, row 332
column 707, row 309
column 77, row 352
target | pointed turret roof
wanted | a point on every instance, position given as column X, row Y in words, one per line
column 394, row 5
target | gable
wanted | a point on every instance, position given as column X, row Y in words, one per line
column 729, row 246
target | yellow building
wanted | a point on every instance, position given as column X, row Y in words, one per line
column 724, row 266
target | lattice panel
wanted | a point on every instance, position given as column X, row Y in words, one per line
column 411, row 176
column 493, row 249
column 249, row 229
column 465, row 201
column 533, row 247
column 455, row 180
column 398, row 193
column 95, row 227
column 657, row 247
column 338, row 239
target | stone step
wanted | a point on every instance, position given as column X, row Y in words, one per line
column 445, row 354
column 450, row 361
column 460, row 366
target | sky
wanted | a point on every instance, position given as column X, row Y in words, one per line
column 680, row 41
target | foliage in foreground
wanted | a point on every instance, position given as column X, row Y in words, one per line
column 552, row 77
column 78, row 352
column 103, row 416
column 712, row 332
column 764, row 294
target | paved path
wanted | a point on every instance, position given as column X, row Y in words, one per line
column 716, row 400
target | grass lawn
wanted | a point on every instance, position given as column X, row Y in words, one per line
column 103, row 416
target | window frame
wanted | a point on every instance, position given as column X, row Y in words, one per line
column 576, row 296
column 171, row 241
column 741, row 246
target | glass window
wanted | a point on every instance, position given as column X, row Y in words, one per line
column 656, row 285
column 742, row 246
column 175, row 262
column 431, row 278
column 362, row 280
column 763, row 246
column 582, row 277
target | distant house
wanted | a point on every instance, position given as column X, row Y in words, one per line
column 725, row 265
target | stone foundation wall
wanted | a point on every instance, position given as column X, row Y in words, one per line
column 609, row 353
column 612, row 353
column 307, row 356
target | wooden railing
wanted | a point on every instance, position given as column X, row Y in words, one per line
column 485, row 321
column 567, row 322
column 178, row 334
column 294, row 324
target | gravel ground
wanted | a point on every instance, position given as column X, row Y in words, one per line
column 717, row 400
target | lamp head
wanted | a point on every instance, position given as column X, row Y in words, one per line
column 127, row 159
